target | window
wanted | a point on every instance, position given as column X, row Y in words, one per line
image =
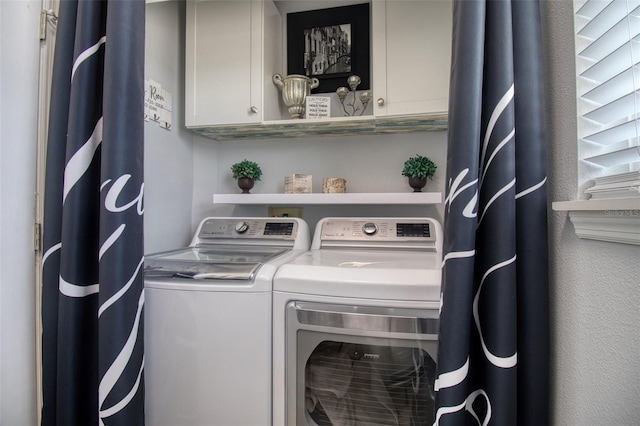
column 608, row 96
column 608, row 52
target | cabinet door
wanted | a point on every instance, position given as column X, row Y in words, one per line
column 411, row 52
column 223, row 74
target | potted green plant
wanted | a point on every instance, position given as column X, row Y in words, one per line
column 246, row 172
column 418, row 169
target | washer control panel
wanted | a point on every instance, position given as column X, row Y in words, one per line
column 259, row 228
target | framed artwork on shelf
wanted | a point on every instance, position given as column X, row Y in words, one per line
column 330, row 45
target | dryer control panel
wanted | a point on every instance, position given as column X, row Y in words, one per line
column 418, row 233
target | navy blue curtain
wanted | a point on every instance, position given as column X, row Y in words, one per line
column 92, row 296
column 493, row 361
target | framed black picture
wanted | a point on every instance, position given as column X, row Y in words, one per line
column 330, row 45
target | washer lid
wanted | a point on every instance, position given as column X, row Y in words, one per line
column 210, row 262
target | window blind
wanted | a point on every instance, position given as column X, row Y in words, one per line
column 608, row 84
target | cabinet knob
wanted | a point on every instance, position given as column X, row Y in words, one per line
column 253, row 109
column 380, row 101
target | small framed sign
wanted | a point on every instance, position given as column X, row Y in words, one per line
column 318, row 107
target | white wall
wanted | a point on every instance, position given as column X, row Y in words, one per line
column 168, row 153
column 594, row 285
column 19, row 56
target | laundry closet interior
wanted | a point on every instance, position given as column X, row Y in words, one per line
column 188, row 165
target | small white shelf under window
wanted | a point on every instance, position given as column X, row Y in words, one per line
column 614, row 220
column 390, row 198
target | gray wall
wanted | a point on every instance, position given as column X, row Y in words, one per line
column 168, row 153
column 19, row 50
column 369, row 164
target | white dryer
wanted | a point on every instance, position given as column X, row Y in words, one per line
column 356, row 324
column 208, row 322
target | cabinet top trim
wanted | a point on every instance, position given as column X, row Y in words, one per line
column 326, row 127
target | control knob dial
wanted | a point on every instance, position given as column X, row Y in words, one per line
column 242, row 227
column 369, row 228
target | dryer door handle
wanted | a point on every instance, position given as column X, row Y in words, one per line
column 367, row 318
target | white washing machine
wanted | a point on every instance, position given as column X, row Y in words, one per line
column 356, row 322
column 208, row 322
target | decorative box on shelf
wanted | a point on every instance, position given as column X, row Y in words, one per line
column 298, row 184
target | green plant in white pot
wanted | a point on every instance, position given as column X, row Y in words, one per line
column 246, row 172
column 418, row 169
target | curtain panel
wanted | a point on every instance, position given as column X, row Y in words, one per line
column 493, row 361
column 93, row 298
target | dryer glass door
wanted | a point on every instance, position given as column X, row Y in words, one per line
column 360, row 365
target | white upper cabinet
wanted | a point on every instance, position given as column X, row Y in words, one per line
column 234, row 47
column 232, row 50
column 411, row 55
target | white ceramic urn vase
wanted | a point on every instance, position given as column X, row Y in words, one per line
column 295, row 89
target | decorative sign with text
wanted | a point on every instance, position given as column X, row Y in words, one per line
column 318, row 107
column 157, row 104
